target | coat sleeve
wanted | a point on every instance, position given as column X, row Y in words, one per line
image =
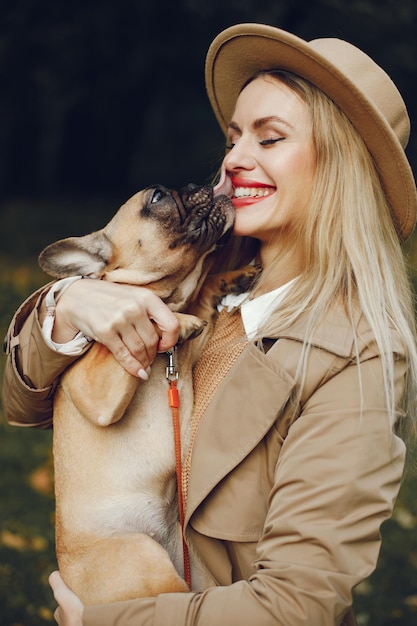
column 336, row 481
column 32, row 369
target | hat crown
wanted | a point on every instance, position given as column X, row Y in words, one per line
column 369, row 79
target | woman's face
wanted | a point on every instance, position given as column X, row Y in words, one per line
column 271, row 160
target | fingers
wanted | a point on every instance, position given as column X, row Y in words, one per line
column 136, row 330
column 167, row 325
column 135, row 352
column 130, row 335
column 70, row 609
column 132, row 322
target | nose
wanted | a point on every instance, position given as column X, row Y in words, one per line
column 239, row 157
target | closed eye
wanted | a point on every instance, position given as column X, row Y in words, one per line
column 270, row 142
column 264, row 142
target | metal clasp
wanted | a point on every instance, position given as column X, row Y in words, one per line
column 171, row 371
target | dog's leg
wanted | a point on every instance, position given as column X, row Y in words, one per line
column 218, row 285
column 99, row 387
column 119, row 567
column 191, row 326
column 205, row 305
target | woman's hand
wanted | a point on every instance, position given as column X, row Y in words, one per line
column 132, row 322
column 70, row 609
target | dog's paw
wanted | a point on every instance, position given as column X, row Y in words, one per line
column 191, row 326
column 239, row 281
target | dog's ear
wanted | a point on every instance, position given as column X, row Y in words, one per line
column 84, row 256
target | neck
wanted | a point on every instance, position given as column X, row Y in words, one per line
column 279, row 267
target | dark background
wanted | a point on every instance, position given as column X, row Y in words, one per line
column 97, row 100
column 102, row 97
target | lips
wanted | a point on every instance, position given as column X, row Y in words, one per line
column 247, row 192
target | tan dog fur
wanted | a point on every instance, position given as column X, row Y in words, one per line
column 117, row 530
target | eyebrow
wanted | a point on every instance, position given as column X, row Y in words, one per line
column 262, row 121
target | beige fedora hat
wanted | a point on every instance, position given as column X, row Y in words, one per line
column 353, row 80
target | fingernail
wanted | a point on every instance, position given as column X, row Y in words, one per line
column 144, row 374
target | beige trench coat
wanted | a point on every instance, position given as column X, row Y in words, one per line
column 285, row 514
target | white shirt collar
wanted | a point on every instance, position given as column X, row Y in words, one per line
column 255, row 312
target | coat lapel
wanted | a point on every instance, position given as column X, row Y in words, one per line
column 241, row 412
column 250, row 399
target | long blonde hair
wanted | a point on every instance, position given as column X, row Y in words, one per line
column 352, row 251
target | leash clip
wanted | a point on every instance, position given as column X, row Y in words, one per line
column 171, row 371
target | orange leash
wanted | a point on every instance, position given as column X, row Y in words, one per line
column 174, row 403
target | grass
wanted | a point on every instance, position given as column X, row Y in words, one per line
column 27, row 551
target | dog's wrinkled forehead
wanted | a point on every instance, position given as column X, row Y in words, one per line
column 191, row 216
column 161, row 200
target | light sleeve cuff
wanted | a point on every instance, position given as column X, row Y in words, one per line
column 81, row 342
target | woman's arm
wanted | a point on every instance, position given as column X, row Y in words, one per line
column 32, row 368
column 130, row 321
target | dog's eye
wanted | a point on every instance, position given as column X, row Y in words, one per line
column 158, row 194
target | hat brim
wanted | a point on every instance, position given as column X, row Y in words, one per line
column 241, row 51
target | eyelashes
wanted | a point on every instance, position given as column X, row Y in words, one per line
column 270, row 142
column 263, row 142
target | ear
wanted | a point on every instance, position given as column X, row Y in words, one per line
column 86, row 256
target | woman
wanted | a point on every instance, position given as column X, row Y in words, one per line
column 296, row 458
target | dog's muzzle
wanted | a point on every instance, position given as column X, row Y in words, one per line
column 206, row 218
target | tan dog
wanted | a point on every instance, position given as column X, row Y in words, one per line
column 117, row 529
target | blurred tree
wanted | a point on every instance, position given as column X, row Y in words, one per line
column 101, row 96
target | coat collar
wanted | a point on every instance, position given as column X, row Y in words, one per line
column 335, row 333
column 225, row 436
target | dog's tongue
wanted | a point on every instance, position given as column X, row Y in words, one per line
column 224, row 186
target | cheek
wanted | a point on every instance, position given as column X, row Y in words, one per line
column 304, row 170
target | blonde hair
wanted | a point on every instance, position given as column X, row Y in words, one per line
column 352, row 251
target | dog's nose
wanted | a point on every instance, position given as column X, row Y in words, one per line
column 197, row 195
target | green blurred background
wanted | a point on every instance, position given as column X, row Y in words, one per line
column 99, row 98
